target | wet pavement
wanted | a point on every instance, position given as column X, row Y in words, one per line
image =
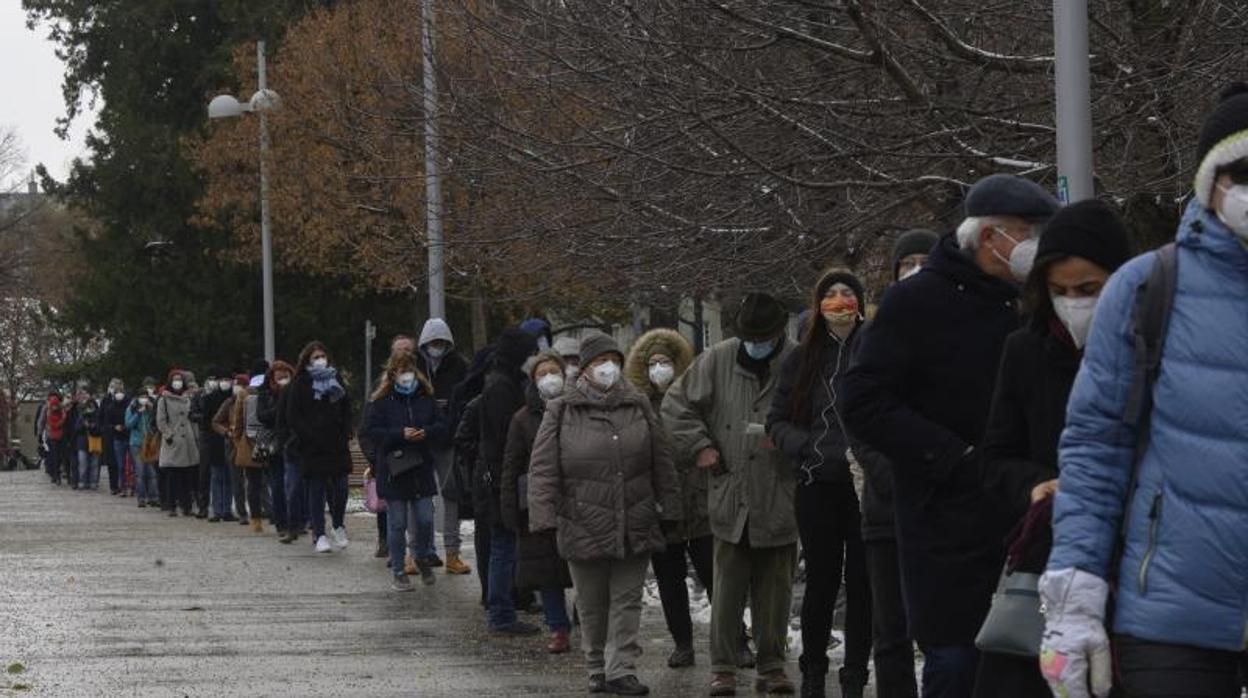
column 101, row 598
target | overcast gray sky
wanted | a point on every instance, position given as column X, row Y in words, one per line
column 30, row 82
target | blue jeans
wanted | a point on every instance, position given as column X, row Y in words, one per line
column 145, row 487
column 402, row 513
column 502, row 606
column 88, row 470
column 222, row 492
column 555, row 606
column 949, row 670
column 117, row 468
column 277, row 490
column 325, row 490
column 296, row 495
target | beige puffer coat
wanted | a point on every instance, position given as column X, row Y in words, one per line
column 601, row 475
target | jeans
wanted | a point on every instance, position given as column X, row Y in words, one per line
column 144, row 478
column 88, row 470
column 671, row 571
column 830, row 526
column 401, row 514
column 325, row 490
column 555, row 607
column 502, row 605
column 894, row 652
column 117, row 465
column 296, row 494
column 221, row 498
column 949, row 670
column 1151, row 669
column 277, row 491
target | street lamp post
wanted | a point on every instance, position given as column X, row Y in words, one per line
column 227, row 106
column 1074, row 100
column 433, row 183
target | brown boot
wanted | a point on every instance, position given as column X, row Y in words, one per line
column 723, row 684
column 409, row 565
column 774, row 682
column 257, row 526
column 454, row 565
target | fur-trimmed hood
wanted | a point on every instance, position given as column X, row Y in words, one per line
column 656, row 341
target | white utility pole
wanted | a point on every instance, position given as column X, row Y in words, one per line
column 433, row 183
column 266, row 235
column 1074, row 101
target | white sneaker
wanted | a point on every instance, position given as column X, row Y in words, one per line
column 340, row 537
column 322, row 545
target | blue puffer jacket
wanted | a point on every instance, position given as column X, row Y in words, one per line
column 1184, row 575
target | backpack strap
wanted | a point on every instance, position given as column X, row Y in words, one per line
column 1150, row 319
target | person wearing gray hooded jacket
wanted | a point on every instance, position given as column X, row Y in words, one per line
column 445, row 368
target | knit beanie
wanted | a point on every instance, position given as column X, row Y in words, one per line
column 1223, row 139
column 841, row 276
column 761, row 317
column 917, row 241
column 1088, row 229
column 596, row 344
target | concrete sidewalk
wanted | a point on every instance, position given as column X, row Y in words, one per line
column 100, row 598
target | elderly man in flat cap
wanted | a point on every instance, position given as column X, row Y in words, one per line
column 919, row 392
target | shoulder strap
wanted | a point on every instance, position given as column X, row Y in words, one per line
column 1150, row 319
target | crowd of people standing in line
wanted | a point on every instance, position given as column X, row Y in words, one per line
column 968, row 428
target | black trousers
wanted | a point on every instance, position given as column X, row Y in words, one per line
column 181, row 488
column 254, row 479
column 481, row 540
column 162, row 485
column 382, row 527
column 671, row 571
column 202, row 482
column 1152, row 670
column 894, row 651
column 830, row 526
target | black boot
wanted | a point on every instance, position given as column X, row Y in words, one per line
column 853, row 682
column 814, row 677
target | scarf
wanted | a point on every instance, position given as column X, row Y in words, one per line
column 325, row 385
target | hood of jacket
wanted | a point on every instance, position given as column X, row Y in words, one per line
column 435, row 328
column 657, row 341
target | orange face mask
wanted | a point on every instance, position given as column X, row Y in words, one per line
column 838, row 307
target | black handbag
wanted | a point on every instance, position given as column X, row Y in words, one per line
column 403, row 459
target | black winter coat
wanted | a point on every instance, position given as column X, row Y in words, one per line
column 112, row 416
column 502, row 395
column 388, row 416
column 320, row 429
column 451, row 372
column 1019, row 452
column 1028, row 413
column 467, row 440
column 538, row 564
column 212, row 450
column 817, row 448
column 919, row 392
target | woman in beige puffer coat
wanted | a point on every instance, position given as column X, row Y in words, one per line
column 601, row 475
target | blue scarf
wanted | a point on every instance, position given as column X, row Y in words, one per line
column 325, row 385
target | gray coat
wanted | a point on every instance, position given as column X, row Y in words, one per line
column 601, row 475
column 179, row 447
column 714, row 404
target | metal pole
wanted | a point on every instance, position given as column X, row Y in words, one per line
column 266, row 240
column 433, row 184
column 1074, row 101
column 369, row 332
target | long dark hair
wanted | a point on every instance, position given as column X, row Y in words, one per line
column 812, row 353
column 305, row 356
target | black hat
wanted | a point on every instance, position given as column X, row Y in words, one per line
column 1223, row 138
column 513, row 347
column 841, row 276
column 1008, row 195
column 761, row 317
column 917, row 241
column 1088, row 229
column 596, row 344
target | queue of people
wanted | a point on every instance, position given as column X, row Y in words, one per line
column 1025, row 402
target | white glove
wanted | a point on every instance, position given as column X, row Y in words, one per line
column 1075, row 648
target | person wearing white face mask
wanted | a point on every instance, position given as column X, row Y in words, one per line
column 918, row 392
column 656, row 360
column 1079, row 249
column 538, row 565
column 1153, row 492
column 445, row 368
column 317, row 414
column 179, row 448
column 601, row 477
